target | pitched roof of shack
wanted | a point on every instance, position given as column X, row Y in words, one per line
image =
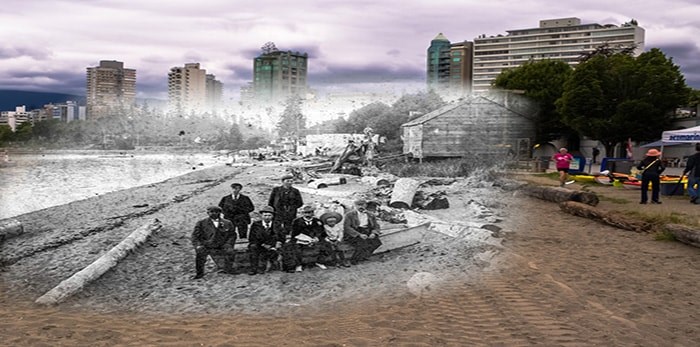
column 447, row 108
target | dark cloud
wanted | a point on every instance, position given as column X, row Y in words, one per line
column 686, row 56
column 238, row 71
column 37, row 53
column 335, row 74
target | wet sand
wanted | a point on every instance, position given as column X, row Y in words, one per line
column 545, row 278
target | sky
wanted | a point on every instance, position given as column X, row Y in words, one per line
column 354, row 46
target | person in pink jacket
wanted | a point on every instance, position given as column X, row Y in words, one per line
column 562, row 161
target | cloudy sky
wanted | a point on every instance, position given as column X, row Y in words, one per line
column 354, row 45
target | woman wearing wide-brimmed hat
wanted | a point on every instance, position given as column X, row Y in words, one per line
column 334, row 236
column 651, row 167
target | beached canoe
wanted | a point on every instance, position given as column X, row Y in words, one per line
column 583, row 178
column 632, row 185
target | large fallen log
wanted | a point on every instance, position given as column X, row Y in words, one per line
column 403, row 193
column 93, row 271
column 684, row 234
column 556, row 194
column 615, row 219
column 10, row 228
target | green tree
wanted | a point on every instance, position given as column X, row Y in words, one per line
column 543, row 81
column 612, row 97
column 6, row 134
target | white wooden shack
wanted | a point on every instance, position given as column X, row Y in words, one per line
column 497, row 123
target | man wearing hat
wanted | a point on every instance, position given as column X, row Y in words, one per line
column 266, row 238
column 651, row 167
column 307, row 234
column 237, row 208
column 285, row 200
column 213, row 236
column 361, row 231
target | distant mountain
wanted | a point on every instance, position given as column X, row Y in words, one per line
column 9, row 99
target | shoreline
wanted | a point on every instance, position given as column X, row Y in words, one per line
column 542, row 278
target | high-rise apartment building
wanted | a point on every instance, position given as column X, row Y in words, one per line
column 278, row 75
column 191, row 89
column 109, row 86
column 187, row 88
column 449, row 66
column 214, row 92
column 564, row 39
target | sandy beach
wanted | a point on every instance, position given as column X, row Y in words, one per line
column 539, row 277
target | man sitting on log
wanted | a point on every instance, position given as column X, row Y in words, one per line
column 361, row 231
column 266, row 237
column 213, row 236
column 307, row 232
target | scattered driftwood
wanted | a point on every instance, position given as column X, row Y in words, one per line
column 10, row 228
column 615, row 219
column 93, row 271
column 403, row 193
column 433, row 201
column 556, row 194
column 684, row 234
column 438, row 182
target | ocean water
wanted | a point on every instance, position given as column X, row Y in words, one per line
column 38, row 181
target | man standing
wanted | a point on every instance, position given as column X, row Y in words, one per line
column 213, row 236
column 361, row 231
column 266, row 238
column 692, row 168
column 285, row 200
column 237, row 208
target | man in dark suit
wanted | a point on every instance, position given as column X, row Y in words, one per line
column 237, row 208
column 266, row 238
column 213, row 236
column 307, row 234
column 285, row 200
column 361, row 231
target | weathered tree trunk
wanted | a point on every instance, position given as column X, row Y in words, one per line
column 556, row 194
column 615, row 219
column 402, row 195
column 685, row 234
column 93, row 271
column 10, row 228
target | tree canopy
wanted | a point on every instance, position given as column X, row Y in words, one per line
column 612, row 97
column 543, row 81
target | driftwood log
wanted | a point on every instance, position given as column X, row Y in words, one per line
column 615, row 219
column 556, row 194
column 403, row 193
column 684, row 234
column 93, row 271
column 10, row 228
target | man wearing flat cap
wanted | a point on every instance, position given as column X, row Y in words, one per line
column 285, row 199
column 237, row 208
column 361, row 231
column 266, row 238
column 213, row 236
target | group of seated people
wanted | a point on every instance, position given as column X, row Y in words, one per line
column 275, row 242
